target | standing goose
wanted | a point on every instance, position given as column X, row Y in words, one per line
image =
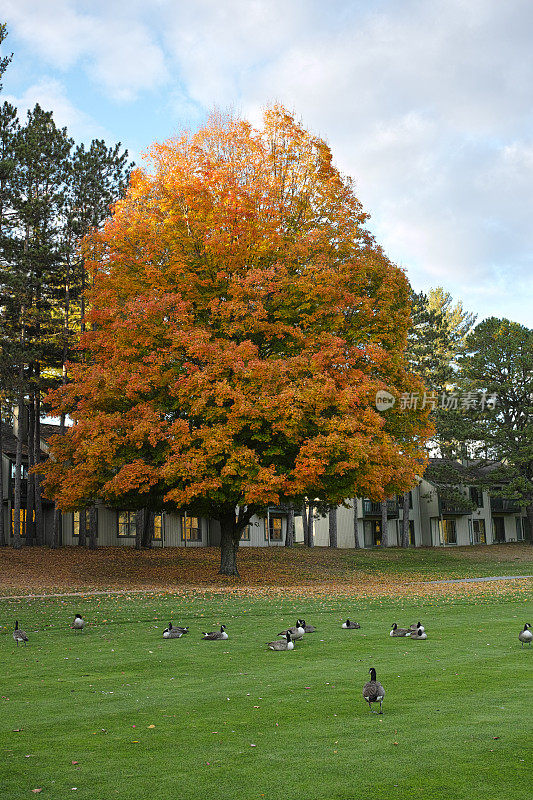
column 172, row 633
column 373, row 691
column 418, row 634
column 350, row 626
column 282, row 644
column 79, row 623
column 18, row 634
column 526, row 636
column 396, row 631
column 215, row 635
column 417, row 627
column 296, row 633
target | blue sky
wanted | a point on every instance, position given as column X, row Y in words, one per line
column 427, row 104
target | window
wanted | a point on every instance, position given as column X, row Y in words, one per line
column 126, row 523
column 245, row 535
column 157, row 534
column 22, row 521
column 76, row 523
column 372, row 531
column 23, row 471
column 448, row 531
column 479, row 536
column 476, row 496
column 190, row 529
column 275, row 529
column 520, row 529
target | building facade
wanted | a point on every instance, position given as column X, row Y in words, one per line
column 433, row 520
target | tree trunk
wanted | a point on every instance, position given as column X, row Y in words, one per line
column 305, row 525
column 139, row 524
column 82, row 538
column 3, row 538
column 39, row 521
column 93, row 528
column 289, row 536
column 58, row 529
column 17, row 539
column 405, row 520
column 384, row 524
column 310, row 526
column 357, row 543
column 30, row 493
column 529, row 511
column 332, row 523
column 229, row 545
column 148, row 528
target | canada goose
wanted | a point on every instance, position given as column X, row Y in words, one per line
column 373, row 691
column 296, row 633
column 307, row 628
column 526, row 636
column 214, row 635
column 181, row 629
column 417, row 627
column 18, row 635
column 79, row 623
column 349, row 625
column 282, row 644
column 418, row 634
column 172, row 633
column 396, row 631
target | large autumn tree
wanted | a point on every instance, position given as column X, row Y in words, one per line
column 241, row 321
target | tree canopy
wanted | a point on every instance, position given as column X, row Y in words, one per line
column 242, row 319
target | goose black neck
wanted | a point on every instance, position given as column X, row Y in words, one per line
column 372, row 674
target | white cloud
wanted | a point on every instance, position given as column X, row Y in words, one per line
column 51, row 96
column 426, row 105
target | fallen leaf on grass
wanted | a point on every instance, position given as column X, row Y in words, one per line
column 36, row 791
column 151, row 726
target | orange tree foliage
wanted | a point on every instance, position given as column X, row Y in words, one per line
column 242, row 319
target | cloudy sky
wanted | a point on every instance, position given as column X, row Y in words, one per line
column 427, row 104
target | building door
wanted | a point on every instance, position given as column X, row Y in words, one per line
column 498, row 529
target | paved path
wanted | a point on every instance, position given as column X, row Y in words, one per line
column 478, row 580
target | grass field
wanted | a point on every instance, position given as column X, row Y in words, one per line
column 118, row 712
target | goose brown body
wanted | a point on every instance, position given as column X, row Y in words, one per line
column 396, row 631
column 214, row 636
column 373, row 691
column 19, row 635
column 525, row 636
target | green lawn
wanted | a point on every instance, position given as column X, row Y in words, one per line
column 235, row 720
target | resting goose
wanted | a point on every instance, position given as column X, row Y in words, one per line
column 214, row 635
column 282, row 644
column 418, row 634
column 172, row 633
column 307, row 628
column 373, row 692
column 295, row 633
column 79, row 623
column 526, row 636
column 417, row 627
column 18, row 634
column 396, row 631
column 349, row 625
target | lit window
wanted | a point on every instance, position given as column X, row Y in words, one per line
column 190, row 529
column 245, row 535
column 479, row 531
column 448, row 531
column 22, row 521
column 275, row 529
column 126, row 523
column 158, row 527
